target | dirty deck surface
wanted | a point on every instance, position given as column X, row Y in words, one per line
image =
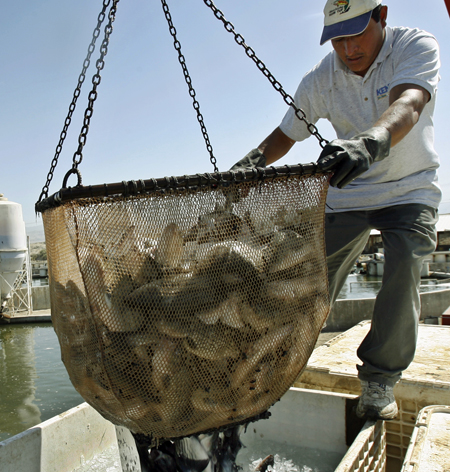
column 325, row 337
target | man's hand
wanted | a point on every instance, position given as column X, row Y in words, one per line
column 254, row 158
column 351, row 158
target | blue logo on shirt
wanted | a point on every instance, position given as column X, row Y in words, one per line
column 383, row 92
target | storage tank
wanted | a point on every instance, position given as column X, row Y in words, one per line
column 13, row 246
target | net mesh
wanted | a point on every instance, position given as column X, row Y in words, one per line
column 185, row 311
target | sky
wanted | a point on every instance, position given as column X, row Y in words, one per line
column 144, row 125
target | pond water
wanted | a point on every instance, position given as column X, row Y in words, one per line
column 34, row 384
column 287, row 458
column 367, row 286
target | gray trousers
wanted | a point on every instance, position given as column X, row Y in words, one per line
column 409, row 235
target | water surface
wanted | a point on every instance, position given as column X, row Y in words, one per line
column 34, row 384
column 368, row 286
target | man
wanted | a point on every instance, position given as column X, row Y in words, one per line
column 378, row 90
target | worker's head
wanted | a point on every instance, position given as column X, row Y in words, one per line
column 356, row 31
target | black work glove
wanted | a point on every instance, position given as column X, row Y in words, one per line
column 254, row 158
column 349, row 158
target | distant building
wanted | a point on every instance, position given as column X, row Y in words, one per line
column 443, row 228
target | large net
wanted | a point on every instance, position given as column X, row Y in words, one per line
column 184, row 311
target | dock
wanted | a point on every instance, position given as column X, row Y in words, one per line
column 39, row 316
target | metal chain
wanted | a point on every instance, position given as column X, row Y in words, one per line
column 188, row 80
column 262, row 67
column 96, row 79
column 101, row 17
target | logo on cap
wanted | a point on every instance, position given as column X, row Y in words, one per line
column 342, row 6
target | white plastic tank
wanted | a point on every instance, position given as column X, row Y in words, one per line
column 13, row 245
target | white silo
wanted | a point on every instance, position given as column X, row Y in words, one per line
column 13, row 246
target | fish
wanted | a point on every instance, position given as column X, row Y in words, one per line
column 126, row 242
column 213, row 401
column 121, row 368
column 130, row 320
column 255, row 319
column 228, row 312
column 295, row 359
column 74, row 306
column 202, row 292
column 211, row 347
column 287, row 249
column 229, row 267
column 140, row 344
column 232, row 257
column 237, row 313
column 138, row 408
column 291, row 290
column 169, row 251
column 158, row 296
column 175, row 408
column 91, row 390
column 219, row 225
column 174, row 328
column 75, row 358
column 253, row 394
column 75, row 330
column 101, row 304
column 266, row 344
column 149, row 271
column 261, row 379
column 202, row 421
column 265, row 463
column 163, row 367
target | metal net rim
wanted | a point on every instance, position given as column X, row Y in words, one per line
column 174, row 183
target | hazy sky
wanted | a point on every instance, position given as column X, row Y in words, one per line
column 143, row 124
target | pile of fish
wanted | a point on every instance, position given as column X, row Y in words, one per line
column 197, row 329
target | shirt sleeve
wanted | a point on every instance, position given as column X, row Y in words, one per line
column 307, row 99
column 418, row 62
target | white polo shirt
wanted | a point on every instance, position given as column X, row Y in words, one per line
column 353, row 104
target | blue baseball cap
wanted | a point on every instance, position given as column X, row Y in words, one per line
column 346, row 17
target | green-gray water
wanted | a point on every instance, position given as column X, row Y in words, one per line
column 367, row 286
column 34, row 384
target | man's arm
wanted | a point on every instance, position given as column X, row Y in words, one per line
column 275, row 146
column 351, row 158
column 406, row 103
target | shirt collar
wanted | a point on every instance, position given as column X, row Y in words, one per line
column 385, row 51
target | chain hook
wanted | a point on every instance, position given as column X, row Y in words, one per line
column 76, row 171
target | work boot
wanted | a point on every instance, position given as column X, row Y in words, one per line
column 377, row 401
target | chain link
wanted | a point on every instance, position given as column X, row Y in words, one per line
column 262, row 67
column 101, row 17
column 188, row 80
column 96, row 79
column 78, row 155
